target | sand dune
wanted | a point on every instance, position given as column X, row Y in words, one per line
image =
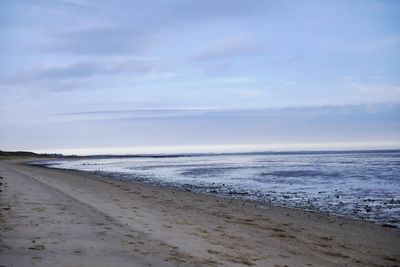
column 66, row 218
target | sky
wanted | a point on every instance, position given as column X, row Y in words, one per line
column 158, row 76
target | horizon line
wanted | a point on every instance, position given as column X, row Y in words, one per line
column 223, row 149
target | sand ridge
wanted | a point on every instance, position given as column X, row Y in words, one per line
column 72, row 218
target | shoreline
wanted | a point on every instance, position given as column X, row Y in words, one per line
column 360, row 211
column 202, row 229
column 259, row 203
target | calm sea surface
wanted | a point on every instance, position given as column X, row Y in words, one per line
column 363, row 185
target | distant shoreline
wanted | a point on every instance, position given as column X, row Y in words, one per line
column 18, row 154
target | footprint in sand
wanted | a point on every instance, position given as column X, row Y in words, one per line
column 101, row 233
column 327, row 238
column 37, row 247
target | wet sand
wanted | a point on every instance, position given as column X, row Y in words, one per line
column 67, row 218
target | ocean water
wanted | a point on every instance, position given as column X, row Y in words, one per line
column 362, row 185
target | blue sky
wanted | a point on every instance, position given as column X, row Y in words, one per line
column 93, row 76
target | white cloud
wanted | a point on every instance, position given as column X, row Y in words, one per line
column 382, row 44
column 375, row 93
column 349, row 77
column 239, row 44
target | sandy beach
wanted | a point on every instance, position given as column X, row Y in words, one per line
column 68, row 218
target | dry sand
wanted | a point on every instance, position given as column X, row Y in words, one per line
column 66, row 218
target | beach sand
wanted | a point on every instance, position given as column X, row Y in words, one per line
column 68, row 218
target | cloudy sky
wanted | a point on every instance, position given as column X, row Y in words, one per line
column 123, row 76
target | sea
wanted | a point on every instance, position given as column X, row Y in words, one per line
column 355, row 184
